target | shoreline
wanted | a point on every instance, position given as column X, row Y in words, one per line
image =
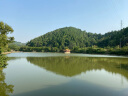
column 4, row 53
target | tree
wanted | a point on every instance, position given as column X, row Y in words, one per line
column 5, row 29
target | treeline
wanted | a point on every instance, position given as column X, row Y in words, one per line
column 87, row 50
column 107, row 50
column 78, row 41
column 114, row 38
column 115, row 42
column 40, row 49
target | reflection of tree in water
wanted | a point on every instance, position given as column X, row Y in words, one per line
column 75, row 65
column 3, row 61
column 4, row 88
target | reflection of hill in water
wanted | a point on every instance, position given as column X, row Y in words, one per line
column 71, row 66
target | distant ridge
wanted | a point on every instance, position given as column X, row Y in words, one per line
column 17, row 43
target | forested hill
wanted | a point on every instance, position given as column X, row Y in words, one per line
column 65, row 37
column 114, row 38
column 71, row 37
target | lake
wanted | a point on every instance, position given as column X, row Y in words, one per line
column 59, row 74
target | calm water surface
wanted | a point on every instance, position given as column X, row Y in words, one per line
column 58, row 74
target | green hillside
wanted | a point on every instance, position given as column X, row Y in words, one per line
column 71, row 37
column 66, row 37
column 114, row 38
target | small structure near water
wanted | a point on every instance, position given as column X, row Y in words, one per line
column 67, row 51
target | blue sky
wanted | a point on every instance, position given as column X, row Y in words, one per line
column 32, row 18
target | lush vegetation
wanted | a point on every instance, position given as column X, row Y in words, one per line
column 78, row 41
column 114, row 38
column 88, row 50
column 66, row 37
column 5, row 29
column 115, row 42
column 72, row 37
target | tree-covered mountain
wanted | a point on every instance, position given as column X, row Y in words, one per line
column 72, row 37
column 66, row 37
column 114, row 38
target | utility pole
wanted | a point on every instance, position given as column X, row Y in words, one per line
column 121, row 31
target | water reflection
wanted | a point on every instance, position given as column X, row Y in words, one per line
column 67, row 76
column 71, row 66
column 74, row 88
column 5, row 89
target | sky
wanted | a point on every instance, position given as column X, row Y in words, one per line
column 33, row 18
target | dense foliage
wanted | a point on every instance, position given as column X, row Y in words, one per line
column 4, row 39
column 114, row 38
column 72, row 37
column 88, row 50
column 66, row 37
column 115, row 42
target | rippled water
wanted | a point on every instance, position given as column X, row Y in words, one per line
column 58, row 74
